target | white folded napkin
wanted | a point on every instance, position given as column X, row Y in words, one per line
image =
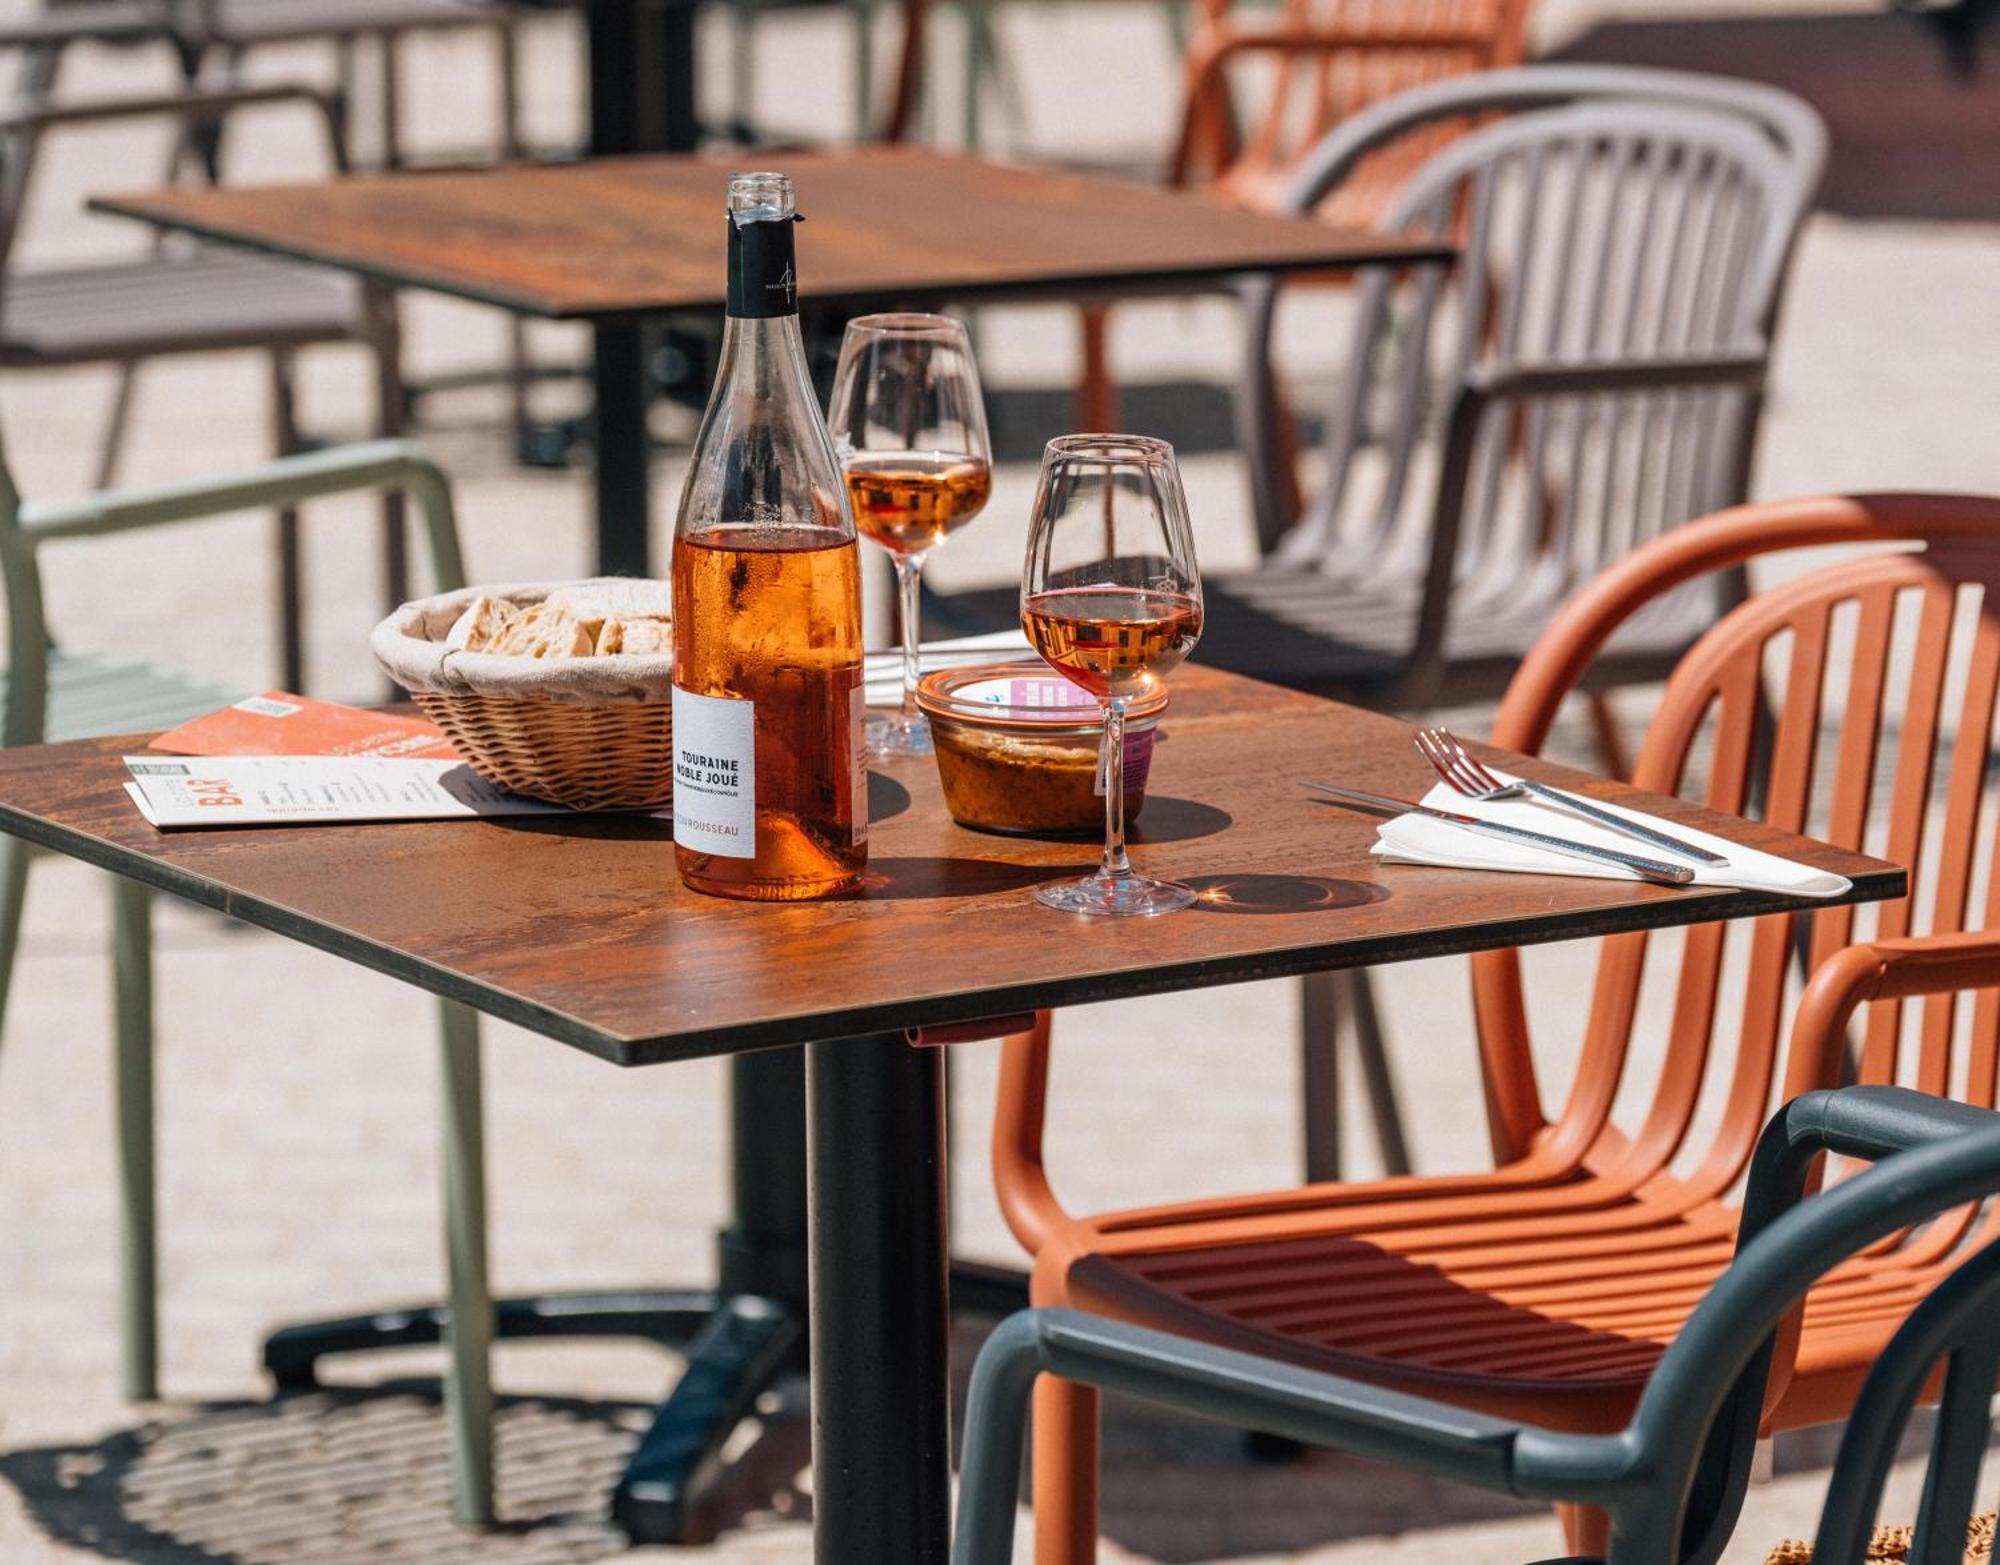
column 882, row 672
column 1416, row 839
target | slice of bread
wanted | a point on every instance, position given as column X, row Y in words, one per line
column 637, row 635
column 545, row 631
column 484, row 622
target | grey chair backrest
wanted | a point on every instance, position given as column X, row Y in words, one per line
column 1605, row 218
column 1674, row 1478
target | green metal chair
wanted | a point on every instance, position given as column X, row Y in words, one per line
column 1673, row 1479
column 51, row 693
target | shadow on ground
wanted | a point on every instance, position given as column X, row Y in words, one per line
column 351, row 1475
column 1178, row 1491
column 347, row 1475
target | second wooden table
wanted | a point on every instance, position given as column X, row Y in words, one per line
column 615, row 241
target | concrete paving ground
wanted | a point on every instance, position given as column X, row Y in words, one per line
column 297, row 1099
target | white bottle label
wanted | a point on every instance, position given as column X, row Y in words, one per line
column 715, row 774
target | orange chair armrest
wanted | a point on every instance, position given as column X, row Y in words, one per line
column 1897, row 969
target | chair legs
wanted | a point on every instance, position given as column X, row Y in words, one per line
column 468, row 1380
column 1612, row 749
column 13, row 896
column 1333, row 1005
column 117, row 421
column 469, row 1335
column 391, row 418
column 132, row 972
column 291, row 567
column 1066, row 1458
column 1586, row 1529
column 1096, row 391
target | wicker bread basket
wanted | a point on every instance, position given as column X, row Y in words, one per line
column 592, row 733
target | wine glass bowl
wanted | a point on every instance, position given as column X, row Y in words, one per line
column 909, row 424
column 1113, row 640
column 1111, row 598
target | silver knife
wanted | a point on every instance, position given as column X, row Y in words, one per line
column 1645, row 869
column 1618, row 823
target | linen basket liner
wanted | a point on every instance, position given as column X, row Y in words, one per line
column 409, row 646
column 1891, row 1545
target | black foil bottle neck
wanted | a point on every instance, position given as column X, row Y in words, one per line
column 763, row 274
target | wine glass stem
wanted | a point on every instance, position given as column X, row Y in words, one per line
column 1112, row 764
column 909, row 582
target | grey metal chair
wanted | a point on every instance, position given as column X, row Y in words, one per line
column 1585, row 375
column 180, row 300
column 1600, row 380
column 1673, row 1479
column 236, row 28
column 51, row 693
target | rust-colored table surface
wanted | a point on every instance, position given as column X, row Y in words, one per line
column 615, row 237
column 578, row 927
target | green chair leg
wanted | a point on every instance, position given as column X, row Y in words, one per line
column 980, row 55
column 469, row 1336
column 862, row 14
column 138, row 1310
column 13, row 895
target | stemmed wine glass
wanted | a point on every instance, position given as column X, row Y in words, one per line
column 909, row 424
column 1111, row 597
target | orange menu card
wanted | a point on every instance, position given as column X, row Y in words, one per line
column 276, row 723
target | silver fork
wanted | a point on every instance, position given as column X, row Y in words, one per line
column 1465, row 774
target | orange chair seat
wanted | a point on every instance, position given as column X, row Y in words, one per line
column 1554, row 1306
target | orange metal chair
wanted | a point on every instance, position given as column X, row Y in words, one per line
column 1546, row 1289
column 1326, row 60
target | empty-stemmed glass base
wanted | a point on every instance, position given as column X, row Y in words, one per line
column 1129, row 896
column 892, row 736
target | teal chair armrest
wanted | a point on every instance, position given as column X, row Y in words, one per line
column 1210, row 1382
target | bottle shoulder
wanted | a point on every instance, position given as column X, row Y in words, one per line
column 762, row 454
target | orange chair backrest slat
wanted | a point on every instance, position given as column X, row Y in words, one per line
column 1855, row 704
column 1319, row 63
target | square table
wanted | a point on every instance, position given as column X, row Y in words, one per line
column 576, row 927
column 615, row 241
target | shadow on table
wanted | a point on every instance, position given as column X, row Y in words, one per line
column 921, row 877
column 1167, row 819
column 1281, row 893
column 361, row 1475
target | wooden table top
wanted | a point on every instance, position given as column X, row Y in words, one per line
column 615, row 237
column 579, row 928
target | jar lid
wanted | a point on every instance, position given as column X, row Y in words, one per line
column 1025, row 694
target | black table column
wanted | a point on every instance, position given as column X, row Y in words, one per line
column 880, row 1303
column 641, row 100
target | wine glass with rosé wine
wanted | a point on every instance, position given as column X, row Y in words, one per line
column 1111, row 598
column 909, row 423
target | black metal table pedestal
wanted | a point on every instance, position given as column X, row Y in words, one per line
column 880, row 1303
column 641, row 100
column 622, row 450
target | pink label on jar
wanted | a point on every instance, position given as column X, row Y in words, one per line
column 1027, row 694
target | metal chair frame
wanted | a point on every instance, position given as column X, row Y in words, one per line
column 1672, row 1479
column 1599, row 382
column 27, row 530
column 373, row 324
column 1431, row 117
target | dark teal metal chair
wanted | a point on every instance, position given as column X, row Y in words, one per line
column 1673, row 1479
